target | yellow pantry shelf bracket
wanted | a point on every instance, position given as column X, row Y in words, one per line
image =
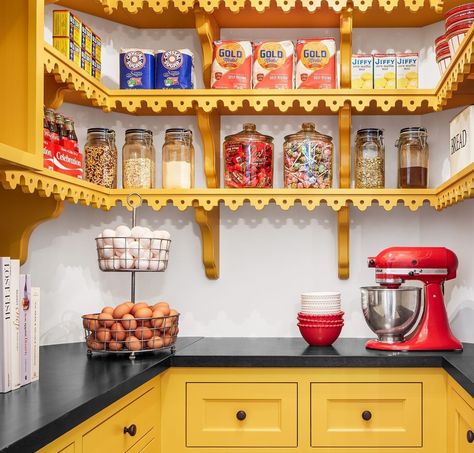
column 208, row 222
column 53, row 92
column 208, row 32
column 23, row 213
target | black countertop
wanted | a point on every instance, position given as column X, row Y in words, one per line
column 73, row 387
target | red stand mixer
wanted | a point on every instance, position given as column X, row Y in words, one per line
column 392, row 310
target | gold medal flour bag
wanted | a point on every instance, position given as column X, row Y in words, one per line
column 232, row 65
column 316, row 63
column 273, row 63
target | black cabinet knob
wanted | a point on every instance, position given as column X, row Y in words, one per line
column 241, row 415
column 132, row 430
column 366, row 415
column 470, row 436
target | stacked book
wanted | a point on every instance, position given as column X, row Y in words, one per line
column 19, row 327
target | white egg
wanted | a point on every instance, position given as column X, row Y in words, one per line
column 154, row 265
column 133, row 248
column 159, row 234
column 108, row 236
column 107, row 251
column 130, row 240
column 126, row 261
column 115, row 265
column 120, row 244
column 103, row 265
column 123, row 231
column 136, row 232
column 156, row 244
column 143, row 264
column 163, row 255
column 100, row 241
column 161, row 266
column 145, row 254
column 147, row 233
column 145, row 243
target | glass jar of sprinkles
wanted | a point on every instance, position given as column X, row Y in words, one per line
column 100, row 158
column 369, row 159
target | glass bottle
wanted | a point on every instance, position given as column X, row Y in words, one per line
column 413, row 152
column 369, row 159
column 100, row 159
column 71, row 133
column 178, row 159
column 62, row 134
column 138, row 165
column 307, row 159
column 114, row 151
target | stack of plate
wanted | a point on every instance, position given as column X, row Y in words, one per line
column 328, row 303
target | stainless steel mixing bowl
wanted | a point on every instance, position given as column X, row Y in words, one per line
column 391, row 313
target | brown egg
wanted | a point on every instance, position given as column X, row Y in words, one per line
column 94, row 323
column 145, row 323
column 118, row 332
column 168, row 322
column 167, row 340
column 129, row 322
column 133, row 343
column 173, row 312
column 108, row 310
column 155, row 343
column 115, row 345
column 157, row 314
column 143, row 333
column 92, row 343
column 120, row 311
column 129, row 304
column 106, row 319
column 143, row 312
column 85, row 322
column 138, row 306
column 163, row 306
column 173, row 331
column 103, row 334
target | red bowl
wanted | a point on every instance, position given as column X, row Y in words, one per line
column 320, row 336
column 338, row 315
column 305, row 320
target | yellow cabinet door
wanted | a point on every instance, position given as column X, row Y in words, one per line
column 69, row 449
column 241, row 414
column 138, row 418
column 460, row 424
column 366, row 414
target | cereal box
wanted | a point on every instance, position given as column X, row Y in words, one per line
column 232, row 65
column 96, row 69
column 316, row 63
column 69, row 48
column 273, row 63
column 362, row 71
column 385, row 70
column 86, row 39
column 67, row 25
column 137, row 69
column 86, row 62
column 407, row 70
column 174, row 69
column 96, row 47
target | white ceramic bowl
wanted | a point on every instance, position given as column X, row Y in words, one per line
column 320, row 312
column 320, row 294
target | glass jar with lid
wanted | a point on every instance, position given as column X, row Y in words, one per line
column 307, row 159
column 178, row 159
column 248, row 159
column 100, row 158
column 138, row 160
column 369, row 159
column 413, row 154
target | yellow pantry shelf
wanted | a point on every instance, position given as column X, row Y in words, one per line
column 278, row 13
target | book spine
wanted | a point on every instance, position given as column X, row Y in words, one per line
column 35, row 333
column 25, row 328
column 15, row 324
column 5, row 325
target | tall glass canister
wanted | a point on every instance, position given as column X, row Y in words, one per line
column 100, row 158
column 369, row 159
column 413, row 153
column 138, row 163
column 178, row 159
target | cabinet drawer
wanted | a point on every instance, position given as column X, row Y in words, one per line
column 69, row 449
column 461, row 419
column 139, row 413
column 366, row 414
column 241, row 414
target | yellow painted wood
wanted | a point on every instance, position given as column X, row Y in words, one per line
column 460, row 421
column 132, row 408
column 22, row 213
column 433, row 381
column 343, row 243
column 271, row 414
column 71, row 448
column 336, row 414
column 208, row 222
column 210, row 127
column 208, row 32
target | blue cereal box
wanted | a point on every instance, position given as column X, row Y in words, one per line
column 174, row 69
column 137, row 69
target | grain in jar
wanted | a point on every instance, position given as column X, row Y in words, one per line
column 100, row 158
column 178, row 159
column 369, row 159
column 138, row 160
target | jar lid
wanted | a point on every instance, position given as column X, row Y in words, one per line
column 136, row 131
column 103, row 130
column 370, row 131
column 179, row 130
column 308, row 130
column 409, row 130
column 250, row 133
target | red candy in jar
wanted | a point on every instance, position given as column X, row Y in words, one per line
column 248, row 159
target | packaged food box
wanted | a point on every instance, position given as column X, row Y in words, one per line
column 232, row 65
column 385, row 71
column 86, row 39
column 67, row 161
column 96, row 69
column 461, row 140
column 137, row 69
column 407, row 70
column 273, row 63
column 67, row 25
column 86, row 62
column 69, row 48
column 362, row 71
column 96, row 48
column 174, row 69
column 316, row 63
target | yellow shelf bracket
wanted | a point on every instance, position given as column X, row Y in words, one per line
column 53, row 92
column 345, row 28
column 208, row 222
column 208, row 32
column 22, row 214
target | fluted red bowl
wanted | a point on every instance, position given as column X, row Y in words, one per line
column 321, row 335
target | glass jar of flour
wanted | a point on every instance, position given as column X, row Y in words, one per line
column 178, row 159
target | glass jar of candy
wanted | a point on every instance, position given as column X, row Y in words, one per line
column 307, row 159
column 248, row 159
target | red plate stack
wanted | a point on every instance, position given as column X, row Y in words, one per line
column 443, row 54
column 458, row 21
column 320, row 320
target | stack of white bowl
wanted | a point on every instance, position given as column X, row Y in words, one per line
column 321, row 303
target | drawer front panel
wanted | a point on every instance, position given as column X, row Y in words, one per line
column 462, row 420
column 366, row 415
column 139, row 413
column 241, row 414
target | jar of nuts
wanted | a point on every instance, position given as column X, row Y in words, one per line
column 138, row 160
column 369, row 159
column 100, row 158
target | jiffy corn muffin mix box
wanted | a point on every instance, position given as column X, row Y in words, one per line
column 385, row 71
column 407, row 70
column 362, row 71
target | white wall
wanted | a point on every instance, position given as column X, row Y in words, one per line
column 267, row 257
